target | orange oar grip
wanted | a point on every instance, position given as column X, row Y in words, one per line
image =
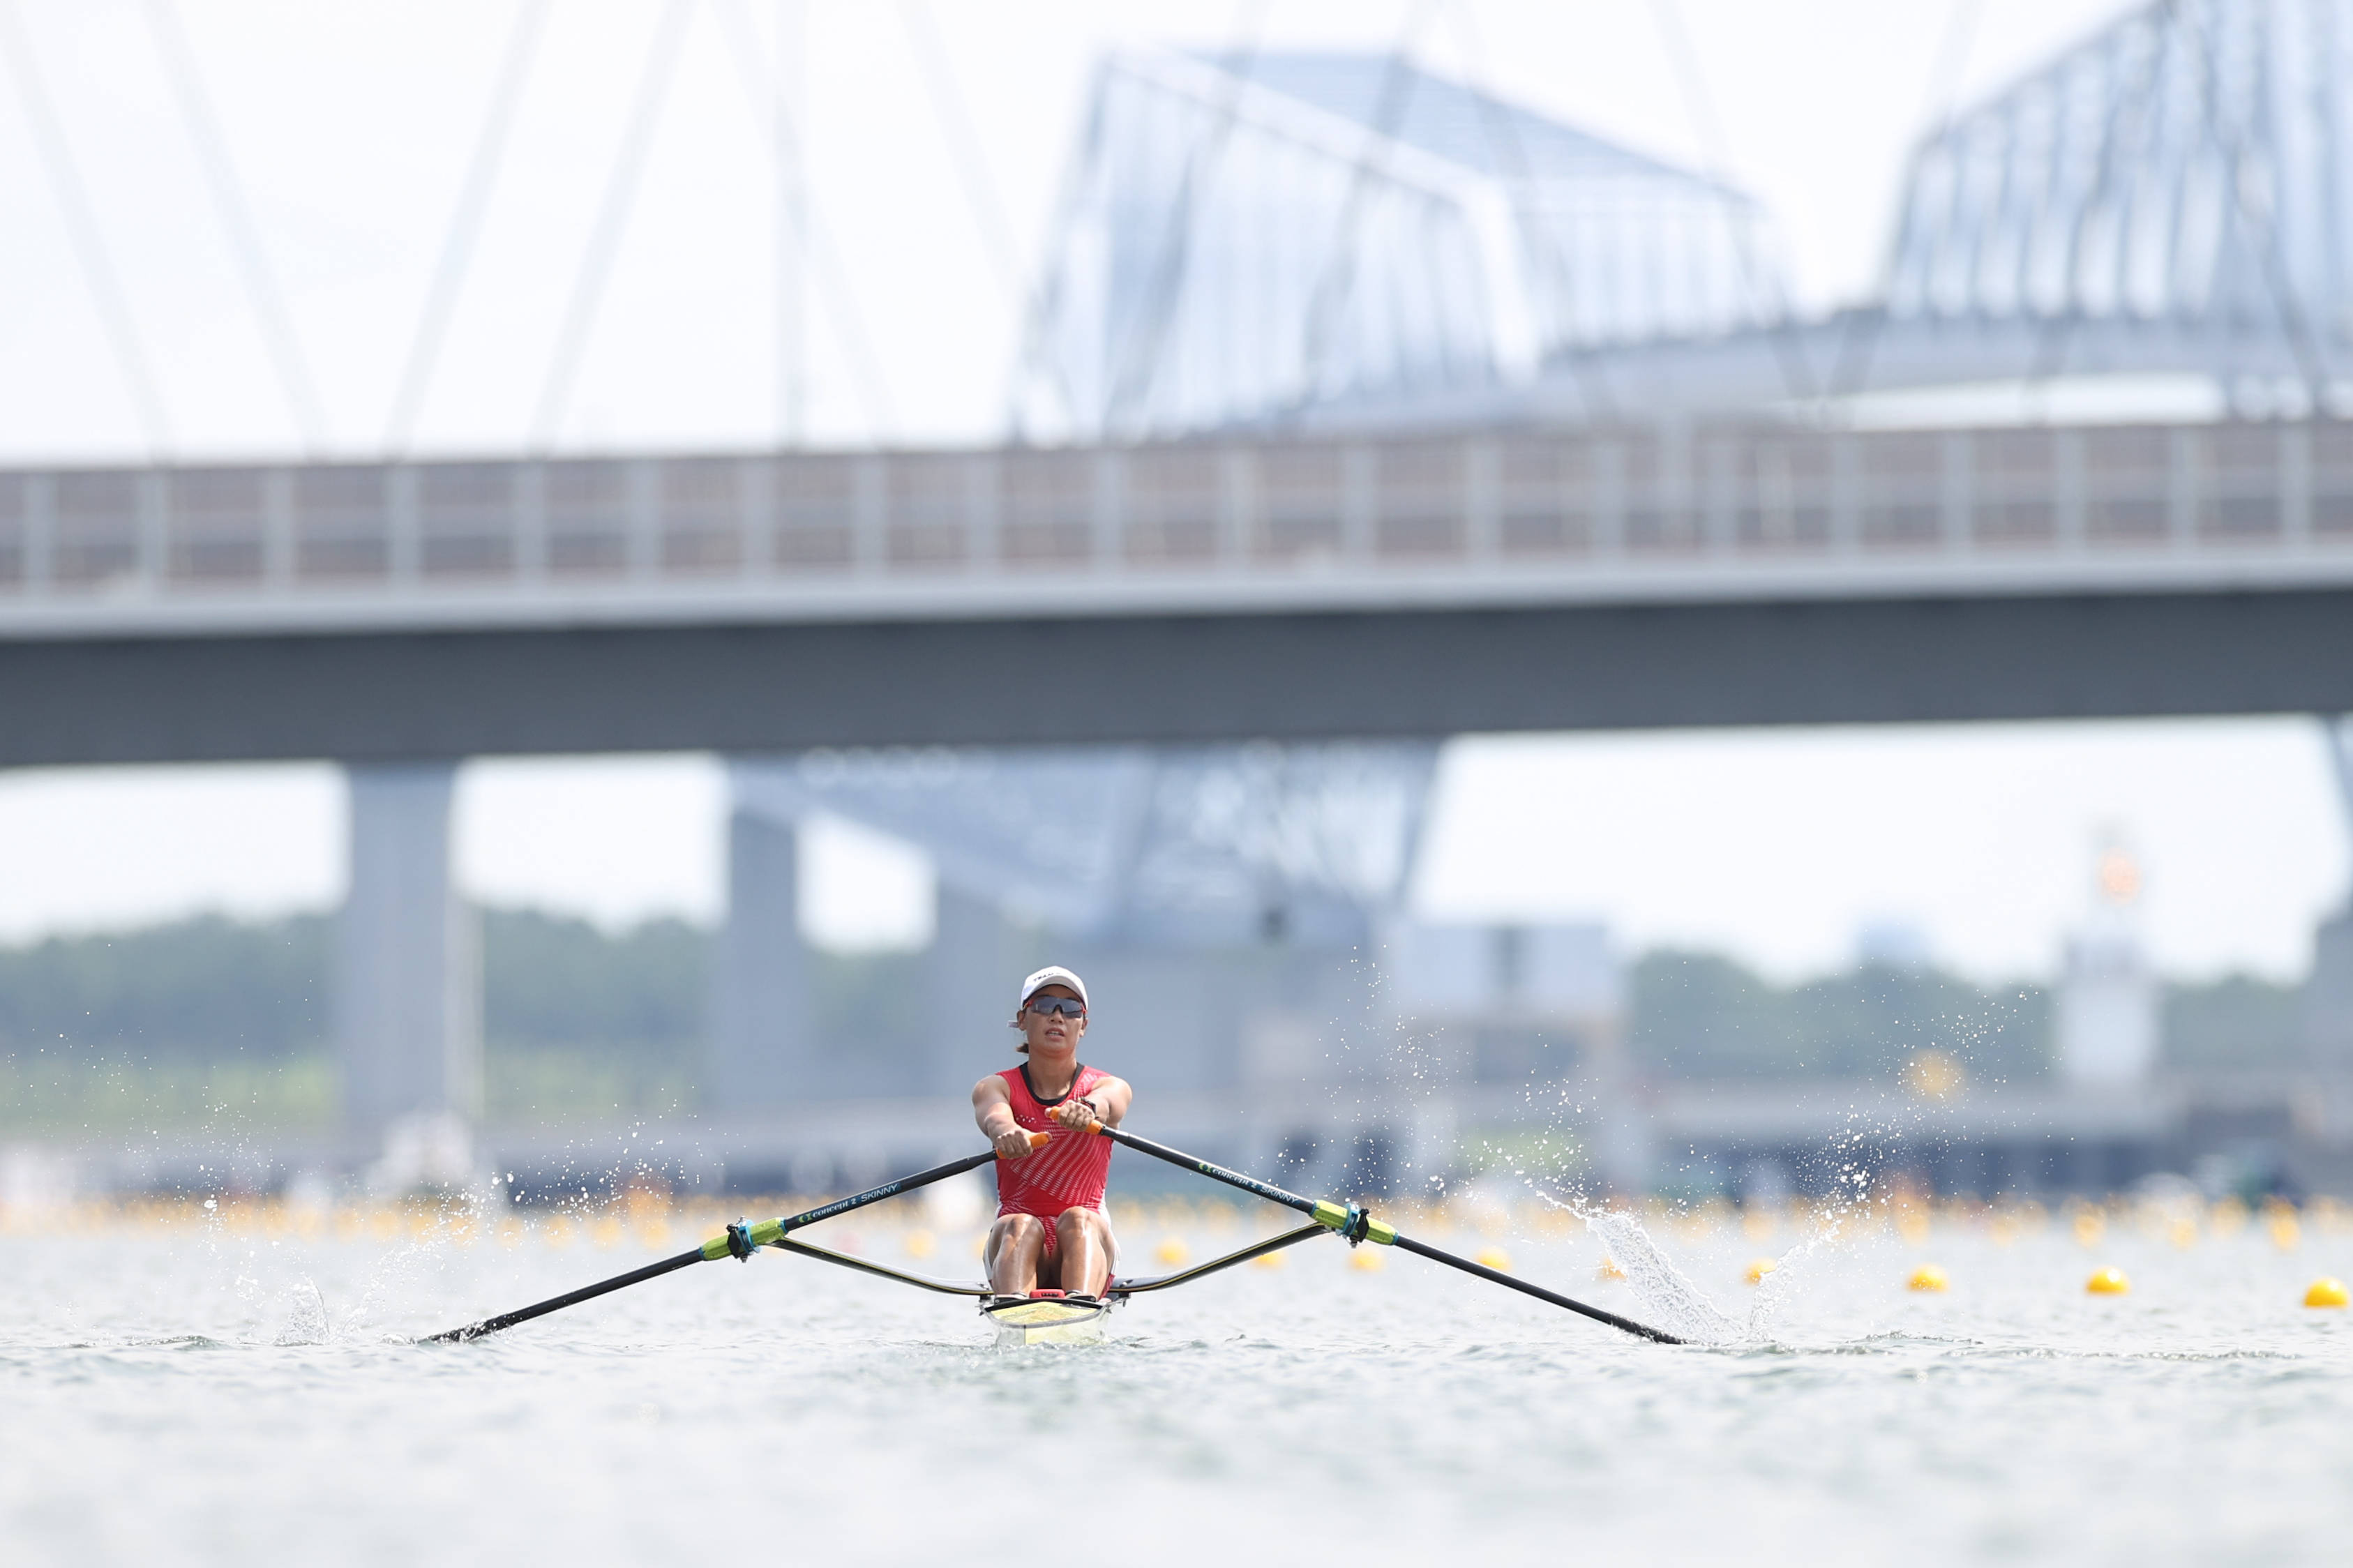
column 1039, row 1140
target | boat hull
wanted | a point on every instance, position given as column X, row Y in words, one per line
column 1046, row 1320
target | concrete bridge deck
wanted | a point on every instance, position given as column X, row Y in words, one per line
column 1499, row 580
column 1495, row 518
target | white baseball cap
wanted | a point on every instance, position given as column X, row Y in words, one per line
column 1052, row 975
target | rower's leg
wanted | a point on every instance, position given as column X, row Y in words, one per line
column 1016, row 1242
column 1084, row 1238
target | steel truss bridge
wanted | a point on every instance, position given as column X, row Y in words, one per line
column 1520, row 433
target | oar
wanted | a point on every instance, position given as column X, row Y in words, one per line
column 1215, row 1264
column 1356, row 1224
column 736, row 1241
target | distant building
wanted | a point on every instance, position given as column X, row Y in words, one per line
column 2108, row 998
column 2328, row 995
column 1889, row 942
column 1506, row 1004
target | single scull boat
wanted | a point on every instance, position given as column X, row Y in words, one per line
column 1049, row 1317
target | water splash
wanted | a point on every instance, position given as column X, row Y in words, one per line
column 306, row 1316
column 1673, row 1301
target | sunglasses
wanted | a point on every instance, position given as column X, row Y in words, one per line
column 1048, row 1006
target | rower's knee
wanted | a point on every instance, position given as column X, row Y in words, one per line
column 1074, row 1223
column 1017, row 1228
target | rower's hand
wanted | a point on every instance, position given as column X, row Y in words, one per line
column 1013, row 1144
column 1076, row 1114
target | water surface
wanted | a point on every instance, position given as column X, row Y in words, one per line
column 187, row 1394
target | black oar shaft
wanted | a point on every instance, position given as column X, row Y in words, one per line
column 569, row 1299
column 1218, row 1265
column 1379, row 1233
column 825, row 1255
column 1642, row 1331
column 766, row 1232
column 890, row 1189
column 1215, row 1173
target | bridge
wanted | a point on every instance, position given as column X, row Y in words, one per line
column 1303, row 588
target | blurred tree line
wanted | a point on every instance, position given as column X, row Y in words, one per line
column 181, row 1020
column 1699, row 1014
column 178, row 1021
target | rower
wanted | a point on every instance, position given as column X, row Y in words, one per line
column 1051, row 1232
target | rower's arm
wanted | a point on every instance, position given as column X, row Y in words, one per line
column 992, row 1108
column 1111, row 1098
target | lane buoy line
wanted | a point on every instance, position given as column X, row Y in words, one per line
column 1349, row 1222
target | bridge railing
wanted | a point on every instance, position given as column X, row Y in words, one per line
column 1630, row 510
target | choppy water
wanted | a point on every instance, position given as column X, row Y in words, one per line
column 187, row 1395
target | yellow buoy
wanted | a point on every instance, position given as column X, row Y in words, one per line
column 2285, row 1231
column 2090, row 1226
column 2325, row 1292
column 1609, row 1269
column 2109, row 1282
column 921, row 1244
column 1927, row 1276
column 1172, row 1252
column 1365, row 1259
column 1267, row 1260
column 1761, row 1268
column 1495, row 1257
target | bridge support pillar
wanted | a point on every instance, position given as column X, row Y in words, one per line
column 977, row 959
column 408, row 1002
column 762, row 1015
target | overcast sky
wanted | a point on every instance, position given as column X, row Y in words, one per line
column 350, row 128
